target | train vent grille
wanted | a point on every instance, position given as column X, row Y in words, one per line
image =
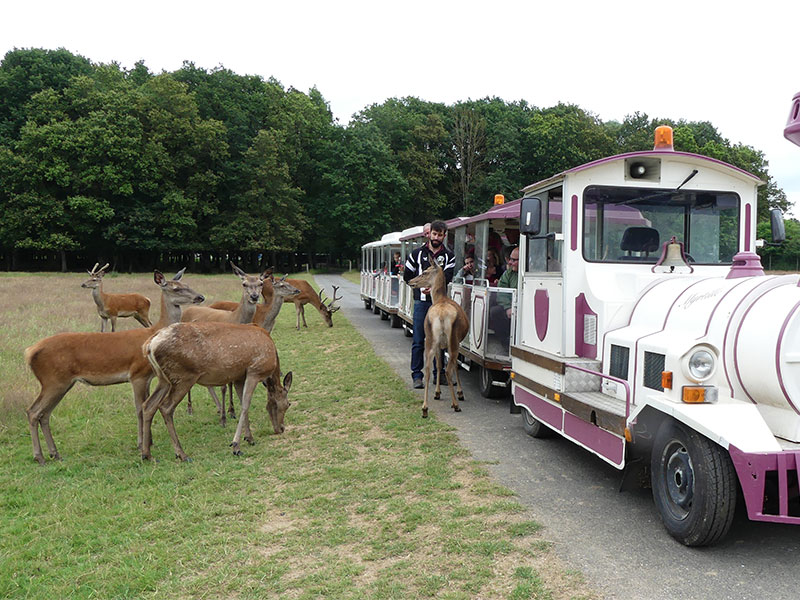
column 653, row 367
column 590, row 330
column 620, row 357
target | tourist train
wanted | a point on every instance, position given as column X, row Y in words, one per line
column 643, row 327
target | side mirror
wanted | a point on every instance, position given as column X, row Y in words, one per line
column 530, row 216
column 777, row 226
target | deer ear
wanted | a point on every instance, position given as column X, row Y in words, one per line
column 287, row 381
column 179, row 274
column 238, row 271
column 159, row 278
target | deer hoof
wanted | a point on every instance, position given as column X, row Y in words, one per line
column 55, row 456
column 456, row 409
column 460, row 396
column 189, row 411
column 184, row 458
column 250, row 441
column 437, row 396
column 40, row 460
column 424, row 413
column 237, row 452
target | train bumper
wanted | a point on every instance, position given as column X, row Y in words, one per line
column 769, row 482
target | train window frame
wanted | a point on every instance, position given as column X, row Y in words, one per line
column 594, row 237
column 544, row 252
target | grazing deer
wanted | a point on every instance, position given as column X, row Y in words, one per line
column 98, row 359
column 274, row 292
column 113, row 306
column 309, row 296
column 446, row 324
column 213, row 354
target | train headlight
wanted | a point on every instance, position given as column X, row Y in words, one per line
column 701, row 364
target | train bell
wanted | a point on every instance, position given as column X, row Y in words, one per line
column 673, row 259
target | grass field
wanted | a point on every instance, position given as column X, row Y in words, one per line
column 359, row 498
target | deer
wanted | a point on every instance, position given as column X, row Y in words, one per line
column 213, row 354
column 112, row 306
column 101, row 358
column 446, row 324
column 274, row 292
column 309, row 296
column 244, row 311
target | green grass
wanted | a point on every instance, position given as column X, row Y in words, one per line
column 359, row 498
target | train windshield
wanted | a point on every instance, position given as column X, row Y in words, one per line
column 623, row 224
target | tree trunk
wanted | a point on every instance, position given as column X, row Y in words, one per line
column 63, row 254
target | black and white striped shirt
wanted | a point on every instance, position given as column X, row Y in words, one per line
column 418, row 261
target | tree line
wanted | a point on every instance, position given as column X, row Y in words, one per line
column 142, row 169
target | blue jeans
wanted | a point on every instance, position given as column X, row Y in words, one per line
column 418, row 341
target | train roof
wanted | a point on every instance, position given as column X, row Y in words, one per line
column 646, row 154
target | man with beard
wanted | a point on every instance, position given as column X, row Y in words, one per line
column 417, row 262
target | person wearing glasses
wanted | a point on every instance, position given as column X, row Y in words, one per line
column 500, row 314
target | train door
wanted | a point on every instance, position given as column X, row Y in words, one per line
column 540, row 312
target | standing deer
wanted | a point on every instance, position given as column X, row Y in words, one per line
column 113, row 306
column 446, row 324
column 98, row 359
column 213, row 354
column 245, row 310
column 274, row 292
column 309, row 296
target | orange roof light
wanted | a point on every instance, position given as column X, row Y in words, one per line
column 663, row 138
column 499, row 199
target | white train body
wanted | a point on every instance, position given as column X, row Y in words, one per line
column 633, row 349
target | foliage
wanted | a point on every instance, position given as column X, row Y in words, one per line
column 98, row 162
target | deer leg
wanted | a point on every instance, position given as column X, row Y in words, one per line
column 303, row 314
column 427, row 375
column 103, row 322
column 189, row 410
column 167, row 409
column 231, row 409
column 39, row 414
column 151, row 405
column 220, row 405
column 113, row 324
column 141, row 387
column 297, row 309
column 452, row 377
column 249, row 387
column 437, row 370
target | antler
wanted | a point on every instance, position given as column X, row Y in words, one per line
column 94, row 270
column 331, row 306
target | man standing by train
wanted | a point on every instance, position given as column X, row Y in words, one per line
column 417, row 262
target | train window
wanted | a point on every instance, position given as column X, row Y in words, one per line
column 544, row 252
column 622, row 224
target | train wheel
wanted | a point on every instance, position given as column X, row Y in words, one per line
column 396, row 321
column 694, row 485
column 485, row 379
column 384, row 315
column 367, row 304
column 375, row 309
column 533, row 426
column 407, row 331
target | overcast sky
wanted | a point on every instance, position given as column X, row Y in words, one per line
column 731, row 63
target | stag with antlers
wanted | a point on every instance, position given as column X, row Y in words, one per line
column 446, row 324
column 112, row 306
column 307, row 295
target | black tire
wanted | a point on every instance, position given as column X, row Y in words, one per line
column 375, row 309
column 384, row 315
column 694, row 485
column 407, row 332
column 367, row 304
column 485, row 379
column 396, row 321
column 533, row 426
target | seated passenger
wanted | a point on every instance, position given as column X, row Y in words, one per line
column 500, row 314
column 397, row 264
column 467, row 272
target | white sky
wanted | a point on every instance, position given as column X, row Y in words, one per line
column 729, row 63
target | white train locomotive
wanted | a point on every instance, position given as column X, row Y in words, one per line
column 646, row 331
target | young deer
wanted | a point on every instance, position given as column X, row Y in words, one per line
column 98, row 359
column 274, row 292
column 212, row 354
column 309, row 296
column 113, row 306
column 446, row 324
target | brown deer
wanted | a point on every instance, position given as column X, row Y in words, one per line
column 112, row 306
column 98, row 359
column 245, row 310
column 446, row 324
column 213, row 354
column 274, row 292
column 309, row 296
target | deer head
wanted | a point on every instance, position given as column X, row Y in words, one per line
column 177, row 292
column 284, row 289
column 327, row 310
column 252, row 284
column 95, row 276
column 278, row 399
